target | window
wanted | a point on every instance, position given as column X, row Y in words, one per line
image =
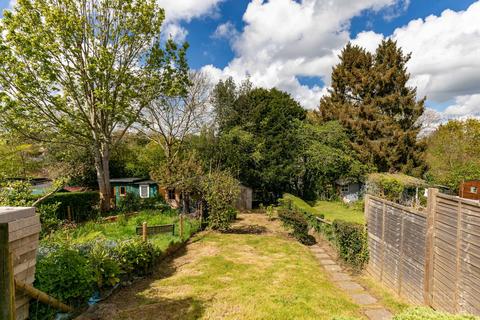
column 474, row 190
column 344, row 189
column 171, row 194
column 123, row 191
column 144, row 191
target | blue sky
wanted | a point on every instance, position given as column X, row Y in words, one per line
column 292, row 44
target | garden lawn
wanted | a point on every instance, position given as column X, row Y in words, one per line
column 254, row 272
column 125, row 228
column 331, row 210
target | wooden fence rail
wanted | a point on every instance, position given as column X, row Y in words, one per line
column 430, row 257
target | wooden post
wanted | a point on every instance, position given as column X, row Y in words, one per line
column 458, row 273
column 429, row 243
column 69, row 213
column 7, row 288
column 181, row 226
column 384, row 216
column 144, row 231
column 41, row 296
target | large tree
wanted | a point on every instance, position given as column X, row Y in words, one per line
column 453, row 152
column 372, row 101
column 79, row 72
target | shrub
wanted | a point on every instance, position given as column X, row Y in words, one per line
column 49, row 218
column 220, row 191
column 64, row 273
column 351, row 241
column 105, row 266
column 136, row 257
column 83, row 205
column 293, row 219
column 429, row 314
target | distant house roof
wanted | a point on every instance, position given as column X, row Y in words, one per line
column 149, row 181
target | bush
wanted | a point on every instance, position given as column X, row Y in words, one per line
column 49, row 218
column 132, row 202
column 429, row 314
column 136, row 257
column 83, row 205
column 351, row 242
column 105, row 265
column 293, row 219
column 64, row 273
column 220, row 191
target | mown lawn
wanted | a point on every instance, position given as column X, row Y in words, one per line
column 331, row 210
column 252, row 273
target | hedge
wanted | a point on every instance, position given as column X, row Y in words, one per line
column 83, row 205
column 423, row 313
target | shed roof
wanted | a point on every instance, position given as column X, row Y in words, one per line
column 126, row 180
column 148, row 181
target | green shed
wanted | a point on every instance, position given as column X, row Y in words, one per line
column 144, row 188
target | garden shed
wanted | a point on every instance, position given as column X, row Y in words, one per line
column 141, row 187
column 349, row 190
column 470, row 189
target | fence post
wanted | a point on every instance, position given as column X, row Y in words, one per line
column 7, row 286
column 69, row 213
column 144, row 231
column 458, row 247
column 181, row 226
column 429, row 250
column 384, row 216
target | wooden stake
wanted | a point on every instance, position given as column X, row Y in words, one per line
column 41, row 296
column 7, row 288
column 69, row 213
column 144, row 231
column 181, row 226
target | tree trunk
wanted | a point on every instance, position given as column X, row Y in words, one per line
column 102, row 160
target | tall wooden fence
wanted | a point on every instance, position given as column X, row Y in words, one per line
column 430, row 257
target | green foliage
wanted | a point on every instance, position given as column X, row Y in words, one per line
column 16, row 194
column 105, row 265
column 220, row 191
column 351, row 242
column 452, row 153
column 294, row 219
column 83, row 205
column 421, row 313
column 64, row 273
column 136, row 257
column 372, row 101
column 49, row 217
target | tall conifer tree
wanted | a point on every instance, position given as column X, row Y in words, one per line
column 371, row 99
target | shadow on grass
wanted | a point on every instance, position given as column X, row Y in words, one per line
column 144, row 300
column 250, row 229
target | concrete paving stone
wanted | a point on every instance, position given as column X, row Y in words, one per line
column 327, row 262
column 332, row 268
column 322, row 256
column 363, row 299
column 340, row 276
column 349, row 286
column 378, row 314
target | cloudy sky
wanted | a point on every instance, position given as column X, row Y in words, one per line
column 293, row 45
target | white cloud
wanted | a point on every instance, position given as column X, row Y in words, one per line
column 227, row 31
column 285, row 39
column 178, row 11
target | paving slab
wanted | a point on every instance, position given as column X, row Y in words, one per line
column 363, row 299
column 326, row 262
column 350, row 286
column 340, row 276
column 378, row 314
column 322, row 256
column 332, row 268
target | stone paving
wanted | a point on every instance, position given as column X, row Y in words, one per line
column 369, row 304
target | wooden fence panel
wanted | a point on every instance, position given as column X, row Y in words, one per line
column 430, row 257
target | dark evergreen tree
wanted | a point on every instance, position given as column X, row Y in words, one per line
column 371, row 100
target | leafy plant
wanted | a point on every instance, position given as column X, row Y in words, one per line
column 105, row 266
column 136, row 256
column 48, row 218
column 430, row 314
column 220, row 191
column 352, row 243
column 64, row 273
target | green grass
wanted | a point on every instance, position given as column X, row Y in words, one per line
column 125, row 228
column 243, row 276
column 331, row 210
